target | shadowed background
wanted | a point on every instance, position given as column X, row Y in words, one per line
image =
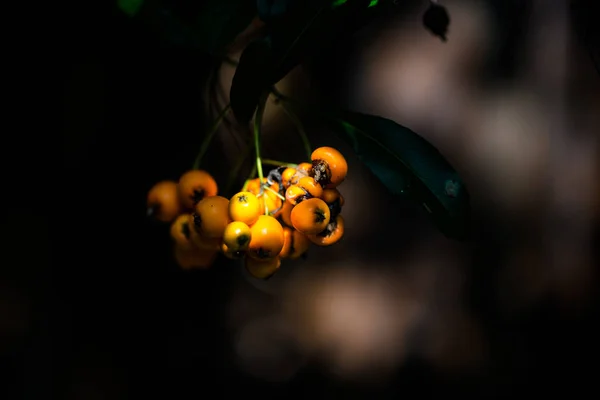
column 100, row 310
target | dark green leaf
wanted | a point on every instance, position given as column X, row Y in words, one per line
column 251, row 79
column 407, row 164
column 130, row 7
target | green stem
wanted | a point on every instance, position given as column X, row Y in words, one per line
column 295, row 120
column 275, row 193
column 209, row 135
column 257, row 132
column 276, row 163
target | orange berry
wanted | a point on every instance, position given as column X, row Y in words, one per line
column 163, row 201
column 334, row 200
column 331, row 195
column 253, row 185
column 262, row 269
column 286, row 176
column 300, row 245
column 180, row 232
column 237, row 236
column 288, row 234
column 266, row 238
column 286, row 212
column 310, row 216
column 195, row 185
column 310, row 186
column 211, row 216
column 244, row 207
column 272, row 202
column 227, row 252
column 194, row 258
column 302, row 170
column 329, row 167
column 331, row 235
column 295, row 194
column 200, row 241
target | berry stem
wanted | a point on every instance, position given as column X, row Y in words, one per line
column 257, row 133
column 274, row 192
column 283, row 100
column 276, row 163
column 209, row 135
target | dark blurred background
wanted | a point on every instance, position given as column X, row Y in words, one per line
column 92, row 305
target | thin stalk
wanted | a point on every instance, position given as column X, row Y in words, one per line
column 211, row 133
column 257, row 134
column 276, row 163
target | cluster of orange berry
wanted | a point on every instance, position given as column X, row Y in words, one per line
column 278, row 218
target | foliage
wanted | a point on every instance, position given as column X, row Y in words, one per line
column 294, row 31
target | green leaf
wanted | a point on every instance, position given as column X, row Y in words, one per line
column 251, row 79
column 407, row 164
column 130, row 7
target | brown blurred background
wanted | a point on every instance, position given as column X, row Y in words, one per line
column 95, row 308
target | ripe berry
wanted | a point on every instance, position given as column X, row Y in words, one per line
column 334, row 200
column 300, row 245
column 295, row 194
column 310, row 186
column 201, row 241
column 180, row 232
column 285, row 213
column 195, row 185
column 331, row 235
column 266, row 238
column 227, row 252
column 254, row 185
column 311, row 216
column 211, row 216
column 194, row 258
column 244, row 207
column 163, row 201
column 288, row 234
column 329, row 167
column 286, row 176
column 270, row 199
column 306, row 188
column 237, row 236
column 262, row 269
column 302, row 170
